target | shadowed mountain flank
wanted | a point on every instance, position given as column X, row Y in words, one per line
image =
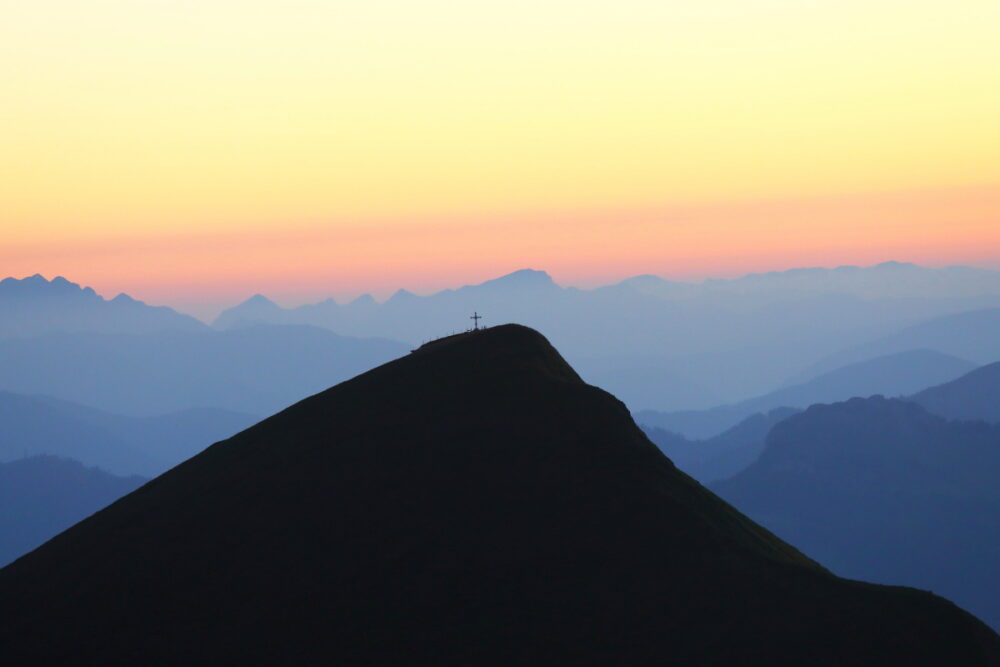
column 474, row 502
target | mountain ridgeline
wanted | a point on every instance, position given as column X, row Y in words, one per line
column 880, row 490
column 474, row 502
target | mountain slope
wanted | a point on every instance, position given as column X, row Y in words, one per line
column 472, row 503
column 882, row 491
column 34, row 306
column 975, row 395
column 42, row 496
column 890, row 375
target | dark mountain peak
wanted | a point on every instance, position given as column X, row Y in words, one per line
column 473, row 502
column 500, row 353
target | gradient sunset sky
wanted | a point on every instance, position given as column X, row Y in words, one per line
column 193, row 152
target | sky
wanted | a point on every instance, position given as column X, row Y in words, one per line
column 197, row 151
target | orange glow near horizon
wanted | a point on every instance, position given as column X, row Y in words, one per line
column 197, row 151
column 689, row 242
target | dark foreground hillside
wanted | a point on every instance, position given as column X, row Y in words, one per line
column 42, row 496
column 473, row 503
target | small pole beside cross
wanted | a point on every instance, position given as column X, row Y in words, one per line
column 475, row 319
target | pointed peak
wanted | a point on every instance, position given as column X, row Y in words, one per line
column 401, row 295
column 124, row 298
column 259, row 300
column 522, row 278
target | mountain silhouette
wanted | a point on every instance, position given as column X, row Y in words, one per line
column 42, row 496
column 975, row 395
column 34, row 306
column 972, row 335
column 659, row 344
column 883, row 491
column 891, row 375
column 471, row 503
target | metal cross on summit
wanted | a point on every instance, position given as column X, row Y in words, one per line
column 475, row 319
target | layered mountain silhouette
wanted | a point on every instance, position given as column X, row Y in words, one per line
column 723, row 455
column 474, row 502
column 42, row 496
column 896, row 374
column 255, row 370
column 972, row 335
column 659, row 344
column 34, row 306
column 39, row 425
column 975, row 395
column 883, row 491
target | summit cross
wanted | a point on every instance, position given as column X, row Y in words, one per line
column 475, row 317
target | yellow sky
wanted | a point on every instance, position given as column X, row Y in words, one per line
column 141, row 121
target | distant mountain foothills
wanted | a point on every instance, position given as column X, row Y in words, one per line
column 38, row 425
column 42, row 496
column 880, row 490
column 474, row 502
column 664, row 345
column 255, row 370
column 896, row 374
column 723, row 455
column 34, row 306
column 975, row 395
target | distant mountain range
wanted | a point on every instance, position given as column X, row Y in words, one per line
column 42, row 496
column 972, row 335
column 472, row 503
column 34, row 306
column 41, row 425
column 255, row 370
column 659, row 344
column 881, row 490
column 896, row 374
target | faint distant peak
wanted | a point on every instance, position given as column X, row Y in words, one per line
column 401, row 295
column 522, row 278
column 260, row 301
